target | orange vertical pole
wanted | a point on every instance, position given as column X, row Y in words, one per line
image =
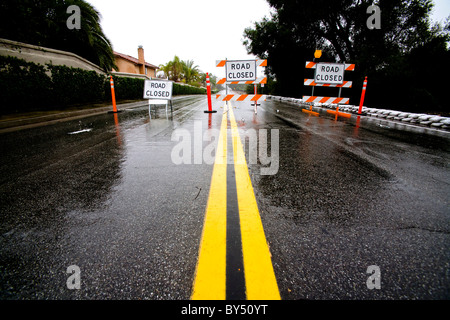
column 113, row 95
column 363, row 93
column 208, row 91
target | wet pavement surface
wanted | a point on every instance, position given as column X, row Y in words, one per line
column 104, row 193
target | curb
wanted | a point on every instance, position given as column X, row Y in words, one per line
column 417, row 119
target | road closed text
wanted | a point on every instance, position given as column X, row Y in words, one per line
column 157, row 89
column 330, row 73
column 242, row 70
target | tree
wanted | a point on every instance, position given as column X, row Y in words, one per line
column 182, row 70
column 213, row 81
column 298, row 27
column 44, row 23
column 173, row 69
column 191, row 71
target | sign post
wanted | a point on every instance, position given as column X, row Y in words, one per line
column 158, row 92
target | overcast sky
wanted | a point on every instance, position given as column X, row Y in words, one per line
column 199, row 30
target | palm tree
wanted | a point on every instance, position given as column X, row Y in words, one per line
column 191, row 72
column 43, row 23
column 173, row 69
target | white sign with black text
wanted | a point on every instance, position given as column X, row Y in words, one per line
column 240, row 70
column 330, row 73
column 158, row 89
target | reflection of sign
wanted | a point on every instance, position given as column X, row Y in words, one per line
column 240, row 70
column 331, row 73
column 158, row 89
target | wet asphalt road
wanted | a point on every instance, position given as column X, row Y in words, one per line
column 104, row 193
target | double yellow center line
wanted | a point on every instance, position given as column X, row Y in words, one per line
column 210, row 277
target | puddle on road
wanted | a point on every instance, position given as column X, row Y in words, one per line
column 80, row 131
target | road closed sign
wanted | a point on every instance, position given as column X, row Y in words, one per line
column 330, row 73
column 158, row 89
column 240, row 70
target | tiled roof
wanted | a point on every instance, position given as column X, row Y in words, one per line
column 134, row 60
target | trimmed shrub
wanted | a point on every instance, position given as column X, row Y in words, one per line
column 27, row 86
column 125, row 88
column 22, row 84
column 75, row 86
column 180, row 89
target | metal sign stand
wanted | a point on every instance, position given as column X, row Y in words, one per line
column 256, row 102
column 162, row 89
column 161, row 102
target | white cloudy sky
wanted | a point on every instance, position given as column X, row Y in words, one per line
column 199, row 30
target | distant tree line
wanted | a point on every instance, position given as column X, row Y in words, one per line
column 407, row 60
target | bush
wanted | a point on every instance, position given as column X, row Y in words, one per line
column 125, row 88
column 22, row 84
column 75, row 86
column 27, row 86
column 179, row 89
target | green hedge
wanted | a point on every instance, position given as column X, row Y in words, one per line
column 22, row 84
column 75, row 86
column 125, row 88
column 179, row 89
column 27, row 86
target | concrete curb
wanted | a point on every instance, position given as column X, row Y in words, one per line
column 417, row 119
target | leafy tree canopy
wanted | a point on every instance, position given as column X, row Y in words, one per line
column 396, row 58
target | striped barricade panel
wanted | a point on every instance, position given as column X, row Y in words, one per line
column 258, row 80
column 326, row 100
column 259, row 63
column 312, row 65
column 240, row 97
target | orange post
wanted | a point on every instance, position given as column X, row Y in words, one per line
column 363, row 93
column 310, row 111
column 113, row 95
column 339, row 114
column 208, row 91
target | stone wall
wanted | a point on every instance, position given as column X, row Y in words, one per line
column 42, row 55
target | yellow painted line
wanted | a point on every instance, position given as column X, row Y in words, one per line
column 210, row 278
column 260, row 280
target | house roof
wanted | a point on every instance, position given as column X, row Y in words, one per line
column 134, row 60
